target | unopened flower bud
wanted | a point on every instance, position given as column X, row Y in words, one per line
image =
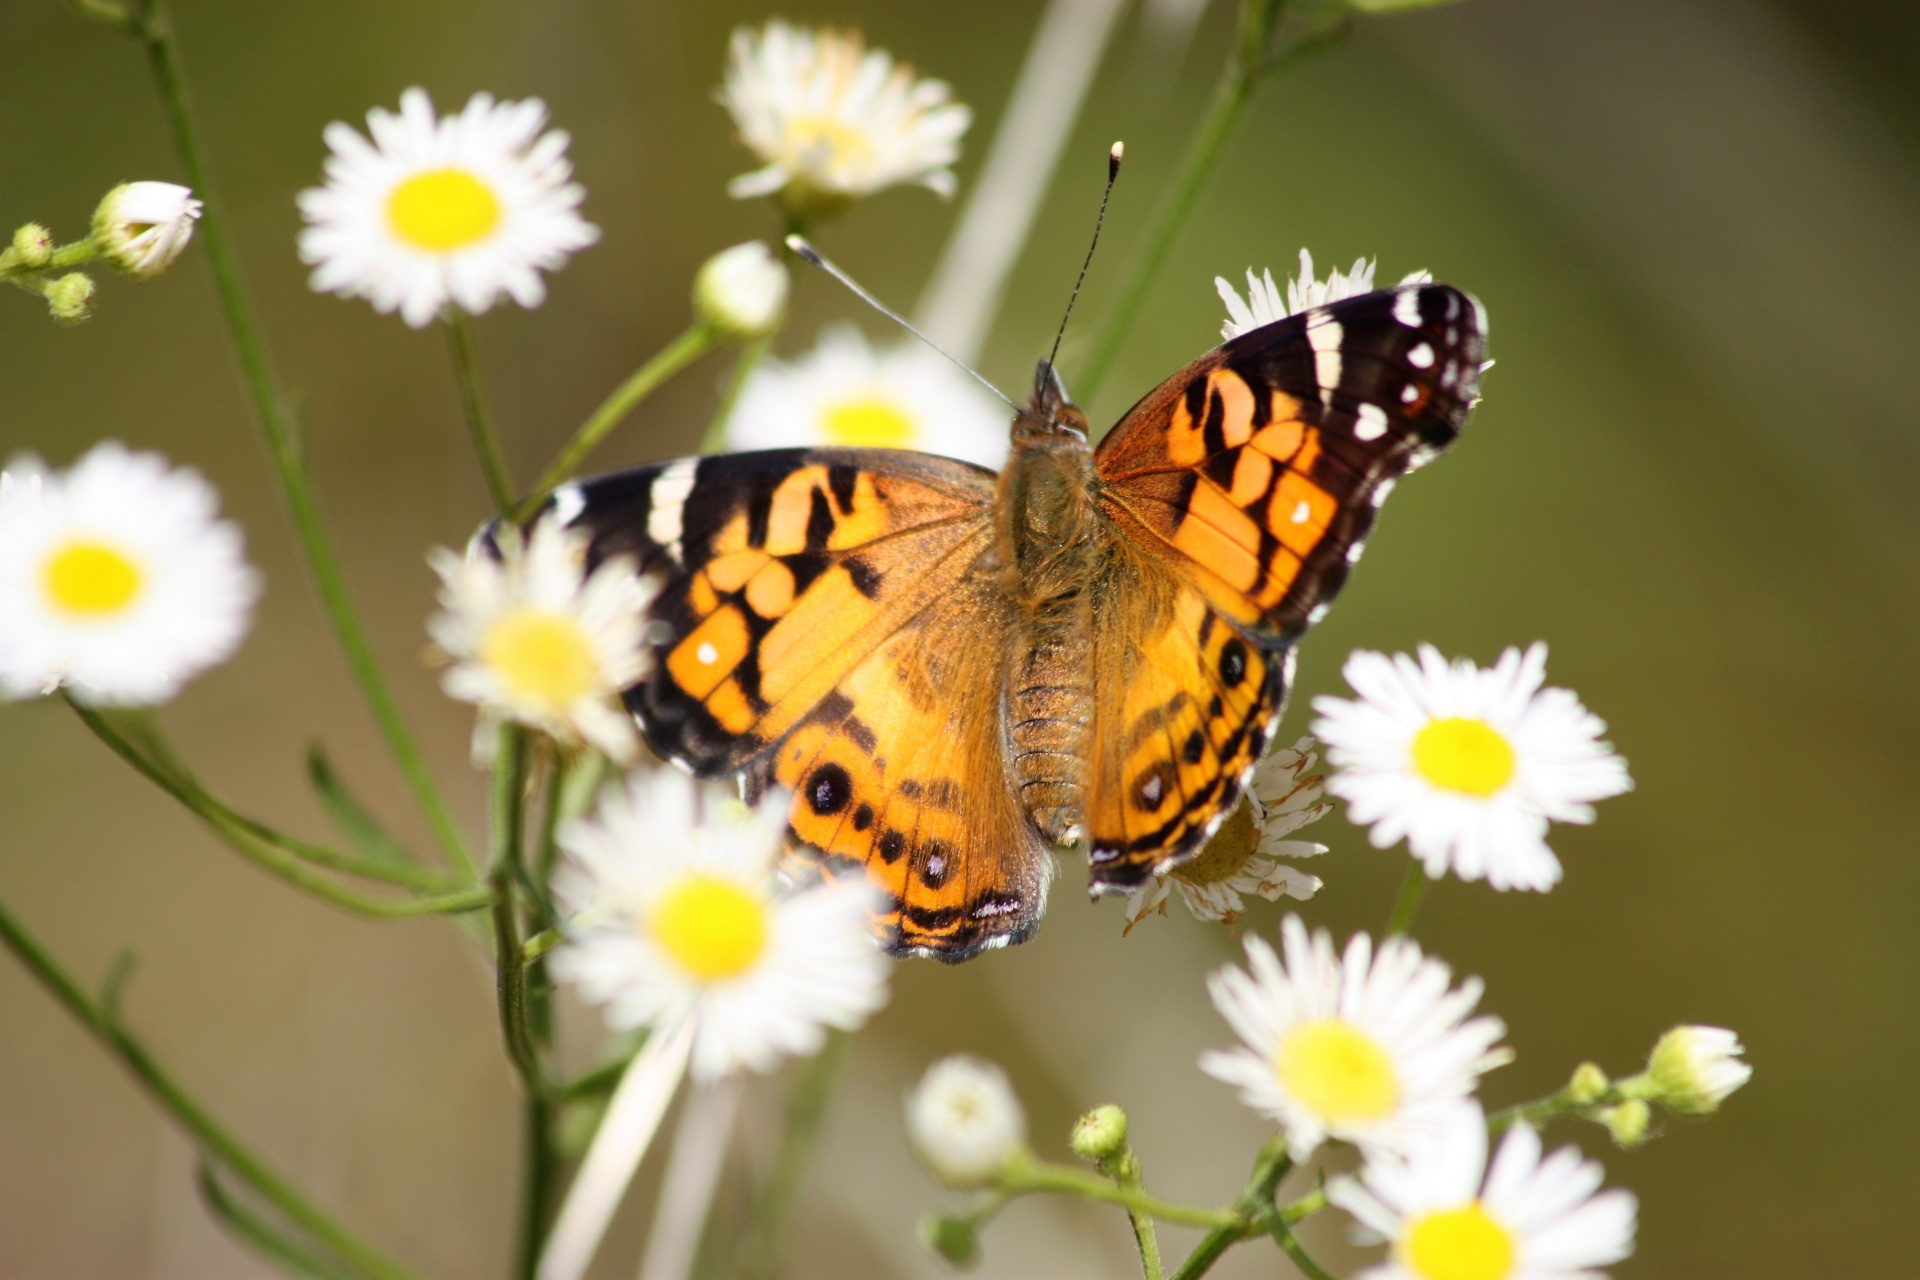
column 964, row 1122
column 141, row 227
column 32, row 246
column 1628, row 1122
column 1693, row 1069
column 952, row 1238
column 741, row 292
column 1588, row 1086
column 1100, row 1134
column 70, row 298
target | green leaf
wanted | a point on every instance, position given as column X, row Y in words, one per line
column 355, row 823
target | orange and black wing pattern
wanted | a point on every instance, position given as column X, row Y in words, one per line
column 1255, row 473
column 1242, row 490
column 780, row 572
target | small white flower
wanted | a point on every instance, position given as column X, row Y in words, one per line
column 1243, row 856
column 742, row 291
column 844, row 392
column 1264, row 305
column 965, row 1122
column 141, row 227
column 1366, row 1048
column 1693, row 1069
column 116, row 578
column 1449, row 1217
column 457, row 210
column 1467, row 766
column 677, row 919
column 534, row 639
column 834, row 120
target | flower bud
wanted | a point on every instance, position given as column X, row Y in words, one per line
column 1628, row 1122
column 964, row 1122
column 1100, row 1134
column 1693, row 1069
column 141, row 227
column 741, row 292
column 32, row 246
column 1588, row 1086
column 70, row 298
column 952, row 1238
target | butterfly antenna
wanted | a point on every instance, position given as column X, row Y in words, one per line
column 812, row 255
column 1115, row 155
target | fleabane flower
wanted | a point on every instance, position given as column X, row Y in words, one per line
column 1366, row 1047
column 833, row 121
column 1467, row 766
column 1265, row 304
column 141, row 227
column 435, row 211
column 1693, row 1069
column 675, row 918
column 1244, row 854
column 845, row 392
column 537, row 640
column 742, row 292
column 117, row 579
column 964, row 1122
column 1447, row 1216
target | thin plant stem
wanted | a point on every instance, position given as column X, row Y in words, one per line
column 1027, row 1177
column 671, row 359
column 714, row 439
column 264, row 1238
column 1413, row 887
column 215, row 1142
column 1291, row 1246
column 1251, row 62
column 152, row 25
column 1249, row 1212
column 473, row 406
column 1145, row 1237
column 774, row 1205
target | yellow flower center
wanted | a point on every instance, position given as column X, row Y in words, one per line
column 441, row 210
column 1338, row 1071
column 1458, row 1244
column 869, row 421
column 825, row 143
column 543, row 657
column 1468, row 756
column 91, row 579
column 1224, row 856
column 712, row 928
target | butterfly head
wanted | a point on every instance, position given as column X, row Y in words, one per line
column 1049, row 414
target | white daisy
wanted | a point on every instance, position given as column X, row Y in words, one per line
column 964, row 1122
column 844, row 392
column 1467, row 766
column 141, row 227
column 537, row 640
column 1263, row 304
column 677, row 920
column 834, row 120
column 742, row 292
column 457, row 210
column 116, row 578
column 1693, row 1069
column 1243, row 856
column 1366, row 1048
column 1449, row 1217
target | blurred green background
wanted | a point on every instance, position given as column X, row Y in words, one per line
column 1694, row 225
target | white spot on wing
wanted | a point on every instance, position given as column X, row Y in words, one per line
column 1406, row 308
column 1301, row 512
column 1409, row 393
column 1325, row 335
column 1421, row 357
column 1372, row 424
column 1381, row 491
column 666, row 500
column 707, row 654
column 1316, row 613
column 568, row 503
column 1150, row 790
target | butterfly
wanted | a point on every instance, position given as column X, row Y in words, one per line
column 957, row 673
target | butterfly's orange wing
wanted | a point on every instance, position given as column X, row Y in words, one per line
column 1242, row 490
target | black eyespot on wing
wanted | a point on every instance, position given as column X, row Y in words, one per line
column 1233, row 663
column 829, row 789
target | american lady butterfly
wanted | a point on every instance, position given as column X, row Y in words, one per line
column 958, row 673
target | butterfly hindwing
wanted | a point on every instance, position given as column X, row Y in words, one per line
column 779, row 572
column 1256, row 471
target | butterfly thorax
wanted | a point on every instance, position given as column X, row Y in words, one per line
column 1049, row 546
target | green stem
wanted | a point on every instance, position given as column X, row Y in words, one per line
column 207, row 1134
column 715, row 437
column 1291, row 1246
column 1145, row 1237
column 1251, row 62
column 1413, row 887
column 1249, row 1215
column 597, row 1083
column 152, row 27
column 806, row 1113
column 671, row 359
column 473, row 405
column 264, row 1238
column 1028, row 1176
